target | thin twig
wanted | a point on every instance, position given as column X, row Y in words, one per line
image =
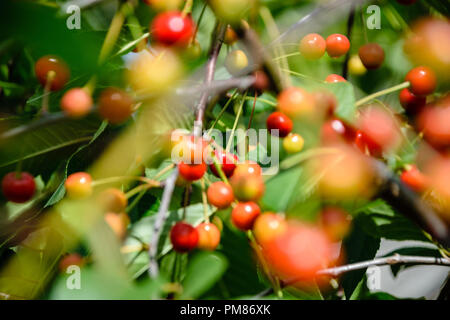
column 161, row 217
column 395, row 259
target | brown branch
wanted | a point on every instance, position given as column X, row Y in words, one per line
column 210, row 69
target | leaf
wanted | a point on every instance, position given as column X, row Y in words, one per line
column 60, row 191
column 345, row 95
column 40, row 145
column 276, row 198
column 204, row 270
column 380, row 220
column 359, row 246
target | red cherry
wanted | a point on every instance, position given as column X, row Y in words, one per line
column 244, row 215
column 72, row 259
column 295, row 102
column 281, row 122
column 334, row 131
column 18, row 187
column 312, row 46
column 333, row 78
column 115, row 105
column 51, row 63
column 365, row 144
column 268, row 226
column 172, row 28
column 227, row 161
column 192, row 172
column 191, row 149
column 335, row 222
column 247, row 187
column 208, row 236
column 422, row 80
column 337, row 45
column 414, row 179
column 220, row 195
column 410, row 102
column 76, row 102
column 299, row 253
column 434, row 120
column 371, row 55
column 184, row 237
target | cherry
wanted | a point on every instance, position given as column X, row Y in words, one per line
column 365, row 144
column 298, row 253
column 325, row 102
column 72, row 259
column 208, row 236
column 312, row 46
column 371, row 55
column 18, row 187
column 231, row 10
column 184, row 237
column 193, row 51
column 191, row 149
column 293, row 143
column 192, row 172
column 247, row 169
column 422, row 80
column 433, row 122
column 220, row 195
column 295, row 102
column 78, row 185
column 247, row 187
column 281, row 122
column 164, row 5
column 236, row 62
column 113, row 200
column 172, row 28
column 378, row 131
column 244, row 215
column 355, row 66
column 227, row 162
column 337, row 45
column 58, row 69
column 335, row 222
column 230, row 36
column 414, row 179
column 410, row 102
column 118, row 222
column 334, row 130
column 262, row 81
column 268, row 226
column 333, row 78
column 76, row 102
column 115, row 105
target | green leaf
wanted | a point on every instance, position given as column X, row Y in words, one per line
column 276, row 198
column 359, row 246
column 380, row 220
column 345, row 95
column 60, row 191
column 42, row 144
column 204, row 270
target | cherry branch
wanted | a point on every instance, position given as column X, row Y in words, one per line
column 162, row 214
column 392, row 260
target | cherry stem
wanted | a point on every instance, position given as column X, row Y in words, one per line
column 138, row 189
column 198, row 22
column 205, row 202
column 136, row 30
column 45, row 98
column 187, row 193
column 219, row 170
column 187, row 8
column 163, row 171
column 398, row 87
column 122, row 178
column 238, row 115
column 222, row 111
column 350, row 23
